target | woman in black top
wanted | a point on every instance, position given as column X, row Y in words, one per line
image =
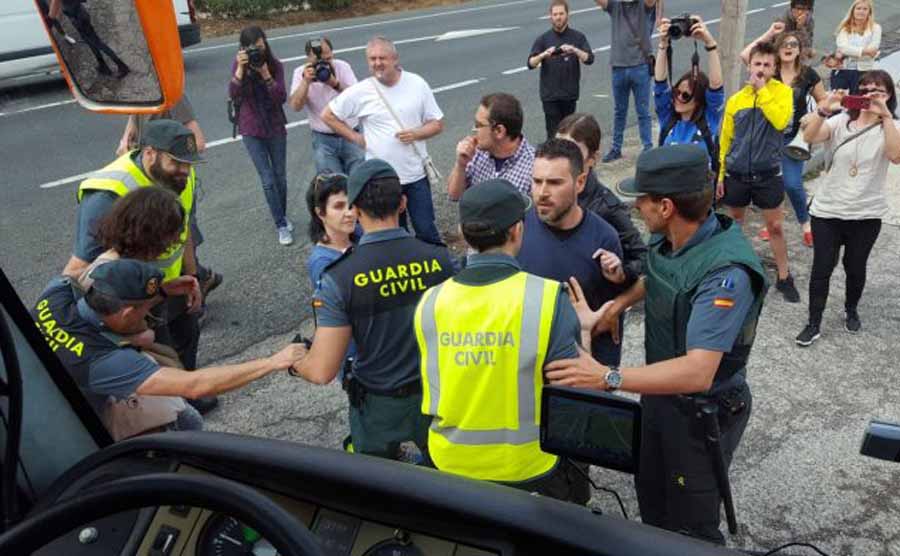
column 584, row 131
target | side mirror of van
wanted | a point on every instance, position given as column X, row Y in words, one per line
column 118, row 57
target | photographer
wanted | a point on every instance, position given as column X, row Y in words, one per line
column 312, row 87
column 559, row 52
column 257, row 90
column 852, row 199
column 693, row 112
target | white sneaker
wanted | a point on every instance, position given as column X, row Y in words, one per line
column 290, row 225
column 284, row 236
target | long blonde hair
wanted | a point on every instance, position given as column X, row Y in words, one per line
column 847, row 23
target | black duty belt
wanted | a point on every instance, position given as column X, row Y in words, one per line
column 761, row 175
column 409, row 389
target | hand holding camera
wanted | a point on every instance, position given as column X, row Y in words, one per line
column 681, row 26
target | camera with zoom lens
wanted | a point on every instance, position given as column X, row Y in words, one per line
column 322, row 69
column 255, row 57
column 681, row 26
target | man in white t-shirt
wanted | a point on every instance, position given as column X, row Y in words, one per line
column 401, row 144
column 314, row 85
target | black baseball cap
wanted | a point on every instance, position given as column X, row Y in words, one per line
column 365, row 172
column 668, row 169
column 808, row 4
column 173, row 138
column 494, row 204
column 128, row 280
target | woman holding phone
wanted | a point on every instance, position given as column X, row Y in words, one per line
column 851, row 200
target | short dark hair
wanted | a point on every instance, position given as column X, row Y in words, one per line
column 765, row 48
column 562, row 3
column 482, row 237
column 308, row 47
column 321, row 188
column 883, row 78
column 699, row 85
column 103, row 304
column 562, row 148
column 142, row 224
column 380, row 198
column 583, row 128
column 506, row 110
column 693, row 206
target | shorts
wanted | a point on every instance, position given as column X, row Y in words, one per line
column 765, row 194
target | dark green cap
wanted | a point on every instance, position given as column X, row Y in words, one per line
column 127, row 280
column 667, row 170
column 173, row 138
column 365, row 172
column 493, row 204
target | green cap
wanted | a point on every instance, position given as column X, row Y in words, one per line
column 494, row 205
column 173, row 138
column 127, row 280
column 667, row 170
column 365, row 172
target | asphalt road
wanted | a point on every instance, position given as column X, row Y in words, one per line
column 797, row 476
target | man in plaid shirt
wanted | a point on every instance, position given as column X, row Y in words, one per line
column 497, row 148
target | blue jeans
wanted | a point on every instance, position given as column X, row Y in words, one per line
column 270, row 158
column 335, row 155
column 420, row 208
column 792, row 172
column 627, row 80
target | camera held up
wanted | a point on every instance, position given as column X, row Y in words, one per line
column 255, row 57
column 323, row 69
column 681, row 26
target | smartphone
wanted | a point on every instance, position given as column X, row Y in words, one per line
column 856, row 102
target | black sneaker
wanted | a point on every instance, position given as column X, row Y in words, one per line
column 211, row 283
column 204, row 405
column 809, row 335
column 852, row 323
column 788, row 290
column 613, row 154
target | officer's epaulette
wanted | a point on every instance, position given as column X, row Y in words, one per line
column 339, row 259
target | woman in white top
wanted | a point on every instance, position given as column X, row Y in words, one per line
column 858, row 41
column 851, row 200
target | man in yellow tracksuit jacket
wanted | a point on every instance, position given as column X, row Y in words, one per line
column 750, row 151
column 484, row 337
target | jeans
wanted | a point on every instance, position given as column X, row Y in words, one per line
column 636, row 80
column 189, row 419
column 554, row 112
column 335, row 155
column 420, row 208
column 792, row 173
column 857, row 237
column 270, row 158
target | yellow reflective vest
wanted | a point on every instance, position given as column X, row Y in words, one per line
column 122, row 176
column 482, row 356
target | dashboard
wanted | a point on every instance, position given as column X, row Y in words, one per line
column 354, row 505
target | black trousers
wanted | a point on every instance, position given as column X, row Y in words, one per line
column 554, row 112
column 563, row 482
column 81, row 20
column 180, row 330
column 857, row 237
column 676, row 485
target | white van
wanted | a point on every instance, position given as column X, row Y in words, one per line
column 25, row 49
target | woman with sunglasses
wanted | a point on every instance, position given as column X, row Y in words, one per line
column 257, row 90
column 692, row 112
column 851, row 200
column 805, row 82
column 331, row 230
column 858, row 41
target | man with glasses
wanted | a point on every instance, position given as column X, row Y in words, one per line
column 496, row 148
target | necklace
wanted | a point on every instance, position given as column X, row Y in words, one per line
column 854, row 164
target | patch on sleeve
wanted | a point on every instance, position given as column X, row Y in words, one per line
column 727, row 283
column 723, row 303
column 317, row 303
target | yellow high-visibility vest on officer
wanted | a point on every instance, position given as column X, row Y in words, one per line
column 484, row 337
column 168, row 152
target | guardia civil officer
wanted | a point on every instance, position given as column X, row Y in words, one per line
column 484, row 337
column 133, row 392
column 370, row 294
column 166, row 158
column 703, row 291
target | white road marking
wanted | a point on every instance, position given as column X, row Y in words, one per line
column 780, row 4
column 465, row 34
column 227, row 140
column 41, row 107
column 601, row 96
column 452, row 86
column 320, row 32
column 515, row 70
column 363, row 47
column 756, row 11
column 573, row 12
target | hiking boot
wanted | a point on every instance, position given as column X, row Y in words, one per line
column 204, row 405
column 284, row 236
column 613, row 154
column 213, row 281
column 809, row 335
column 788, row 290
column 852, row 323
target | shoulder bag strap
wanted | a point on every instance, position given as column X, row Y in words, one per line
column 394, row 115
column 847, row 140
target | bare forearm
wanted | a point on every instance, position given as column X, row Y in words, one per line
column 189, row 259
column 687, row 374
column 337, row 125
column 661, row 69
column 210, row 381
column 456, row 183
column 891, row 140
column 535, row 61
column 715, row 70
column 429, row 129
column 298, row 99
column 632, row 295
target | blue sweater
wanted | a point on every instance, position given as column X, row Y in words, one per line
column 549, row 256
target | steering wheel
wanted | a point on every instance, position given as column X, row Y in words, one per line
column 280, row 528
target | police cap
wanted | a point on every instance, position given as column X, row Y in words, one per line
column 127, row 280
column 667, row 170
column 365, row 172
column 494, row 205
column 173, row 138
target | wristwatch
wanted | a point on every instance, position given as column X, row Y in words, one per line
column 613, row 379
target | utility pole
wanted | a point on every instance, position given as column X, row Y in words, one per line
column 731, row 42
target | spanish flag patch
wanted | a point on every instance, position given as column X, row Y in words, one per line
column 317, row 303
column 723, row 303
